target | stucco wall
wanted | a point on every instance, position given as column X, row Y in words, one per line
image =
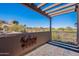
column 11, row 44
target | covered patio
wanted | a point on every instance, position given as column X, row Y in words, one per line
column 41, row 43
column 51, row 12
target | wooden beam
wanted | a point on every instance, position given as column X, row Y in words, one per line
column 40, row 5
column 64, row 10
column 77, row 10
column 34, row 7
column 53, row 5
column 67, row 5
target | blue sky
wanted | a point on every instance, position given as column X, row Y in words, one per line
column 65, row 20
column 31, row 18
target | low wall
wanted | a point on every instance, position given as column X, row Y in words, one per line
column 18, row 44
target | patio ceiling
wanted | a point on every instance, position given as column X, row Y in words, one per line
column 51, row 9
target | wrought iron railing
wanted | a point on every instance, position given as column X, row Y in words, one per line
column 70, row 37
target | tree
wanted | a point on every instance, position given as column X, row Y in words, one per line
column 24, row 28
column 61, row 29
column 75, row 24
column 53, row 29
column 69, row 29
column 1, row 21
column 15, row 22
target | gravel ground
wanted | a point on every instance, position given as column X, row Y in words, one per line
column 50, row 50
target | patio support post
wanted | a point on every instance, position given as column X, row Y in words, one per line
column 50, row 28
column 77, row 10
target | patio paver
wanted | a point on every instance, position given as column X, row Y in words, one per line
column 50, row 50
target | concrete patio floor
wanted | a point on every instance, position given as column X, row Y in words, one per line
column 50, row 50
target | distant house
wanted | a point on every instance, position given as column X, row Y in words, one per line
column 5, row 27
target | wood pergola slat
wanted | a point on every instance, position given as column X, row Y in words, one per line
column 67, row 5
column 34, row 7
column 64, row 10
column 40, row 5
column 53, row 5
column 37, row 8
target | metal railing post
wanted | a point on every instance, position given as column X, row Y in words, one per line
column 50, row 28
